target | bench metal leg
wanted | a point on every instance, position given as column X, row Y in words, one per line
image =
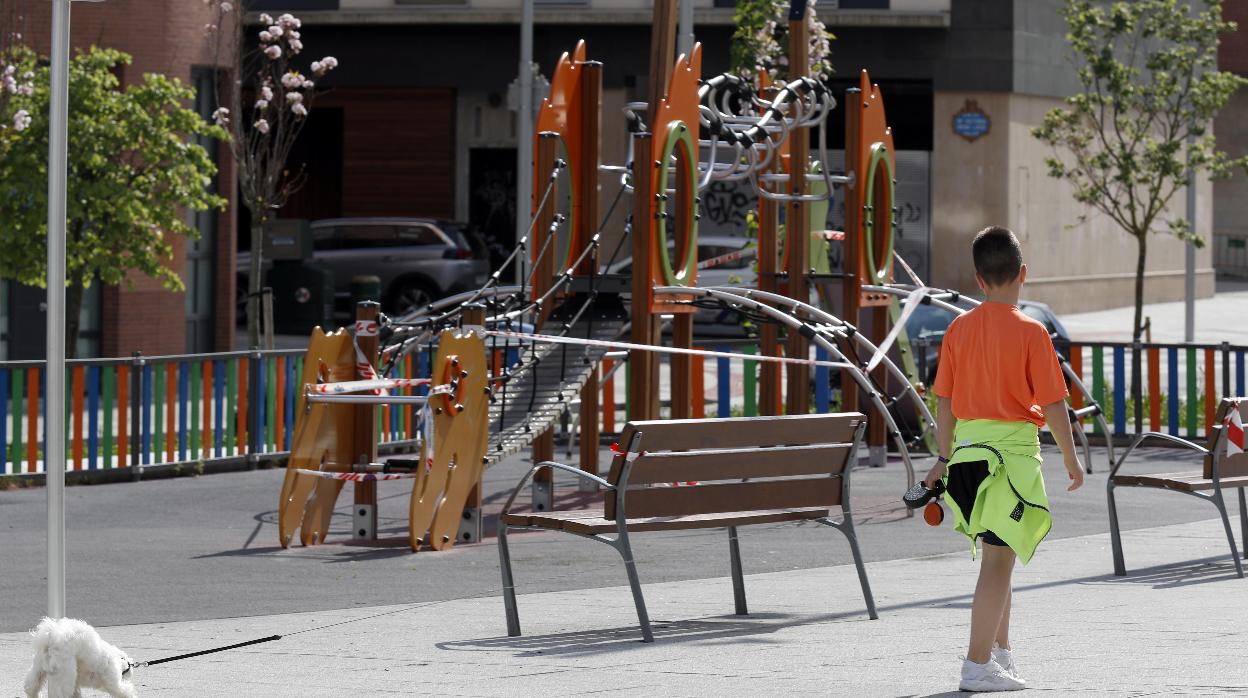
column 738, row 579
column 1243, row 521
column 1226, row 523
column 848, row 529
column 643, row 618
column 509, row 584
column 1115, row 536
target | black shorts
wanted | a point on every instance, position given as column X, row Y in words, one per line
column 991, row 538
column 962, row 488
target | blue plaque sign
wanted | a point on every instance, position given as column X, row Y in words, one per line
column 971, row 122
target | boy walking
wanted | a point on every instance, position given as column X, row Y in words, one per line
column 998, row 382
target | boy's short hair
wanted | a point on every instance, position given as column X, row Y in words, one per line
column 998, row 256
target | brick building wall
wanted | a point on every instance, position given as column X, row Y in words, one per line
column 168, row 37
column 1230, row 196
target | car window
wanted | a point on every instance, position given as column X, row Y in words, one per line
column 323, row 239
column 1035, row 313
column 419, row 235
column 928, row 322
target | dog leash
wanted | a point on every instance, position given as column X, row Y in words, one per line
column 188, row 655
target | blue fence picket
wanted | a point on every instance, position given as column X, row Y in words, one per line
column 93, row 410
column 218, row 408
column 723, row 374
column 823, row 393
column 288, row 414
column 1172, row 394
column 1239, row 374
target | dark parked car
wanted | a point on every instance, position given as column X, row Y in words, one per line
column 417, row 259
column 929, row 323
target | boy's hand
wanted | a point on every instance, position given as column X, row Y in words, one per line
column 936, row 473
column 1074, row 469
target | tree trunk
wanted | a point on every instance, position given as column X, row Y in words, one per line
column 254, row 280
column 1137, row 374
column 73, row 309
column 1138, row 328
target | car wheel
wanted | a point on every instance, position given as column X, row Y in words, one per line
column 407, row 297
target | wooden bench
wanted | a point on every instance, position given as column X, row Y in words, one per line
column 732, row 472
column 1220, row 471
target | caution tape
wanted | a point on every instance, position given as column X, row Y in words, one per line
column 356, row 477
column 733, row 256
column 375, row 384
column 553, row 339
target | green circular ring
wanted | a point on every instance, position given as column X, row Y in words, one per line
column 879, row 154
column 678, row 134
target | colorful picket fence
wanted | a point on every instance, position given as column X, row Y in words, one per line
column 161, row 410
column 145, row 411
column 1181, row 384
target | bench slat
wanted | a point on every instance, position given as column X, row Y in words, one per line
column 742, row 432
column 595, row 523
column 733, row 497
column 730, row 464
column 1193, row 481
column 737, row 432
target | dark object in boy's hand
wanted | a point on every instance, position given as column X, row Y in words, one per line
column 918, row 495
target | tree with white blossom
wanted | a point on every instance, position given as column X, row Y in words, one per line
column 263, row 107
column 17, row 66
column 760, row 44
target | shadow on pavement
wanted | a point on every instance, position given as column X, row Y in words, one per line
column 743, row 628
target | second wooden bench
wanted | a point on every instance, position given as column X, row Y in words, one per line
column 707, row 473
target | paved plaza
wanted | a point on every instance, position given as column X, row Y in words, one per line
column 194, row 568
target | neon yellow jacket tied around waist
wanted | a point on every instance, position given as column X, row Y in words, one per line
column 1010, row 500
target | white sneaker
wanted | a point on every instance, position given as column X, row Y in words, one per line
column 988, row 677
column 1005, row 658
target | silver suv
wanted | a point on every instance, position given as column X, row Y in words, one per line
column 417, row 259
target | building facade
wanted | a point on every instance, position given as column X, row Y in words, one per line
column 168, row 37
column 427, row 129
column 1230, row 196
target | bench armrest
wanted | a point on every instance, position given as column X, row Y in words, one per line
column 557, row 466
column 1140, row 438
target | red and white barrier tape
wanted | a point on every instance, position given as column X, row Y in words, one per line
column 553, row 339
column 374, row 384
column 356, row 477
column 733, row 256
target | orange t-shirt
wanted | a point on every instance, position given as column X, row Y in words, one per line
column 997, row 363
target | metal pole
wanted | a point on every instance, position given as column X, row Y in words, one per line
column 54, row 424
column 1189, row 266
column 524, row 136
column 684, row 36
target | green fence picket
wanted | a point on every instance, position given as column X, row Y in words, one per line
column 108, row 381
column 196, row 377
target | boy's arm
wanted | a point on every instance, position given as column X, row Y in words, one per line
column 1059, row 424
column 945, row 422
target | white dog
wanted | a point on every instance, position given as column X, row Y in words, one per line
column 70, row 655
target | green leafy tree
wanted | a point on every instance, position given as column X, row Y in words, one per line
column 133, row 175
column 1150, row 90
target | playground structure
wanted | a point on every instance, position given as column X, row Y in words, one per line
column 503, row 362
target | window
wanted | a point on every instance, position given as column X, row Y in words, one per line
column 419, row 235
